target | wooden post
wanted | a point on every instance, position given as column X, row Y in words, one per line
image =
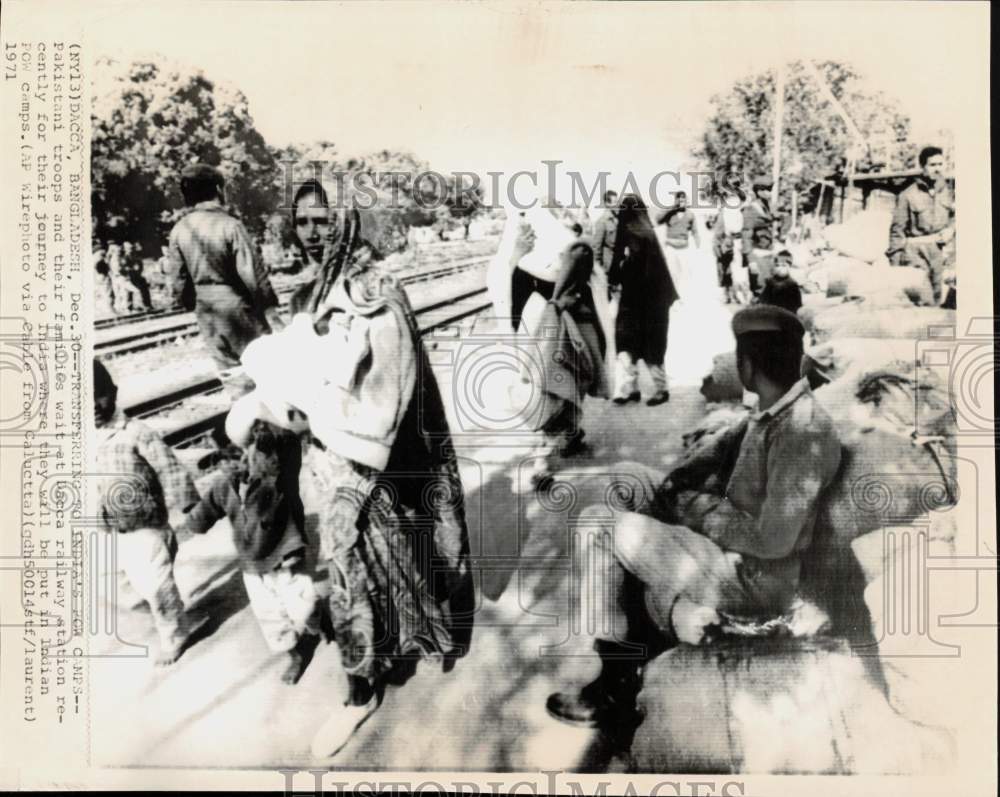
column 779, row 112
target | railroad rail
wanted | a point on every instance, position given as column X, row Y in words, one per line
column 139, row 331
column 431, row 317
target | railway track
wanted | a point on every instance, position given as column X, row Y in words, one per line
column 204, row 420
column 137, row 332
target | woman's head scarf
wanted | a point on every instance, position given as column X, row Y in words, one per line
column 345, row 237
column 634, row 221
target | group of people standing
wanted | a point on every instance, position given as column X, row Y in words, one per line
column 616, row 287
column 121, row 285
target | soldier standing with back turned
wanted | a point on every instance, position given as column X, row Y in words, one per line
column 218, row 274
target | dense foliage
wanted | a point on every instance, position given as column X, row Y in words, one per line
column 151, row 118
column 815, row 139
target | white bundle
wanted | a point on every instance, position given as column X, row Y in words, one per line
column 276, row 364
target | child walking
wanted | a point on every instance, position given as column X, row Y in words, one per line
column 260, row 496
column 142, row 494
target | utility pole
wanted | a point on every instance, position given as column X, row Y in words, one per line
column 779, row 113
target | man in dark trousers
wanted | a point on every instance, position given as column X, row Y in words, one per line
column 758, row 233
column 723, row 534
column 219, row 276
column 922, row 232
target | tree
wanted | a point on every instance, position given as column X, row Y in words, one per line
column 815, row 139
column 150, row 119
column 464, row 201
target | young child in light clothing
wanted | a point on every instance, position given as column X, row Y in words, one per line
column 142, row 493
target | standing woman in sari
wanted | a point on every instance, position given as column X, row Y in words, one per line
column 639, row 269
column 542, row 280
column 350, row 373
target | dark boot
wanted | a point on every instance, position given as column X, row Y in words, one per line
column 633, row 396
column 299, row 658
column 659, row 397
column 576, row 446
column 608, row 701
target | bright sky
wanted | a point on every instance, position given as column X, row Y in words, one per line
column 501, row 86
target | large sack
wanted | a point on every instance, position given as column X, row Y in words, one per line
column 710, row 451
column 826, row 362
column 833, row 270
column 814, row 303
column 723, row 384
column 713, row 709
column 887, row 474
column 882, row 284
column 892, row 560
column 877, row 406
column 718, row 420
column 868, row 319
column 775, row 706
column 864, row 236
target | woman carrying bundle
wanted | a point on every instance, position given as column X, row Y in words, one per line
column 350, row 375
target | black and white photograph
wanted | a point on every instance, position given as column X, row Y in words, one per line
column 582, row 390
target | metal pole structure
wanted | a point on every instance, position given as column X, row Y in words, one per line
column 795, row 207
column 779, row 113
column 821, row 83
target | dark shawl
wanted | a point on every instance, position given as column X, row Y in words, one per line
column 647, row 290
column 402, row 547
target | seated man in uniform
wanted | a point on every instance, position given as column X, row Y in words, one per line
column 922, row 232
column 733, row 550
